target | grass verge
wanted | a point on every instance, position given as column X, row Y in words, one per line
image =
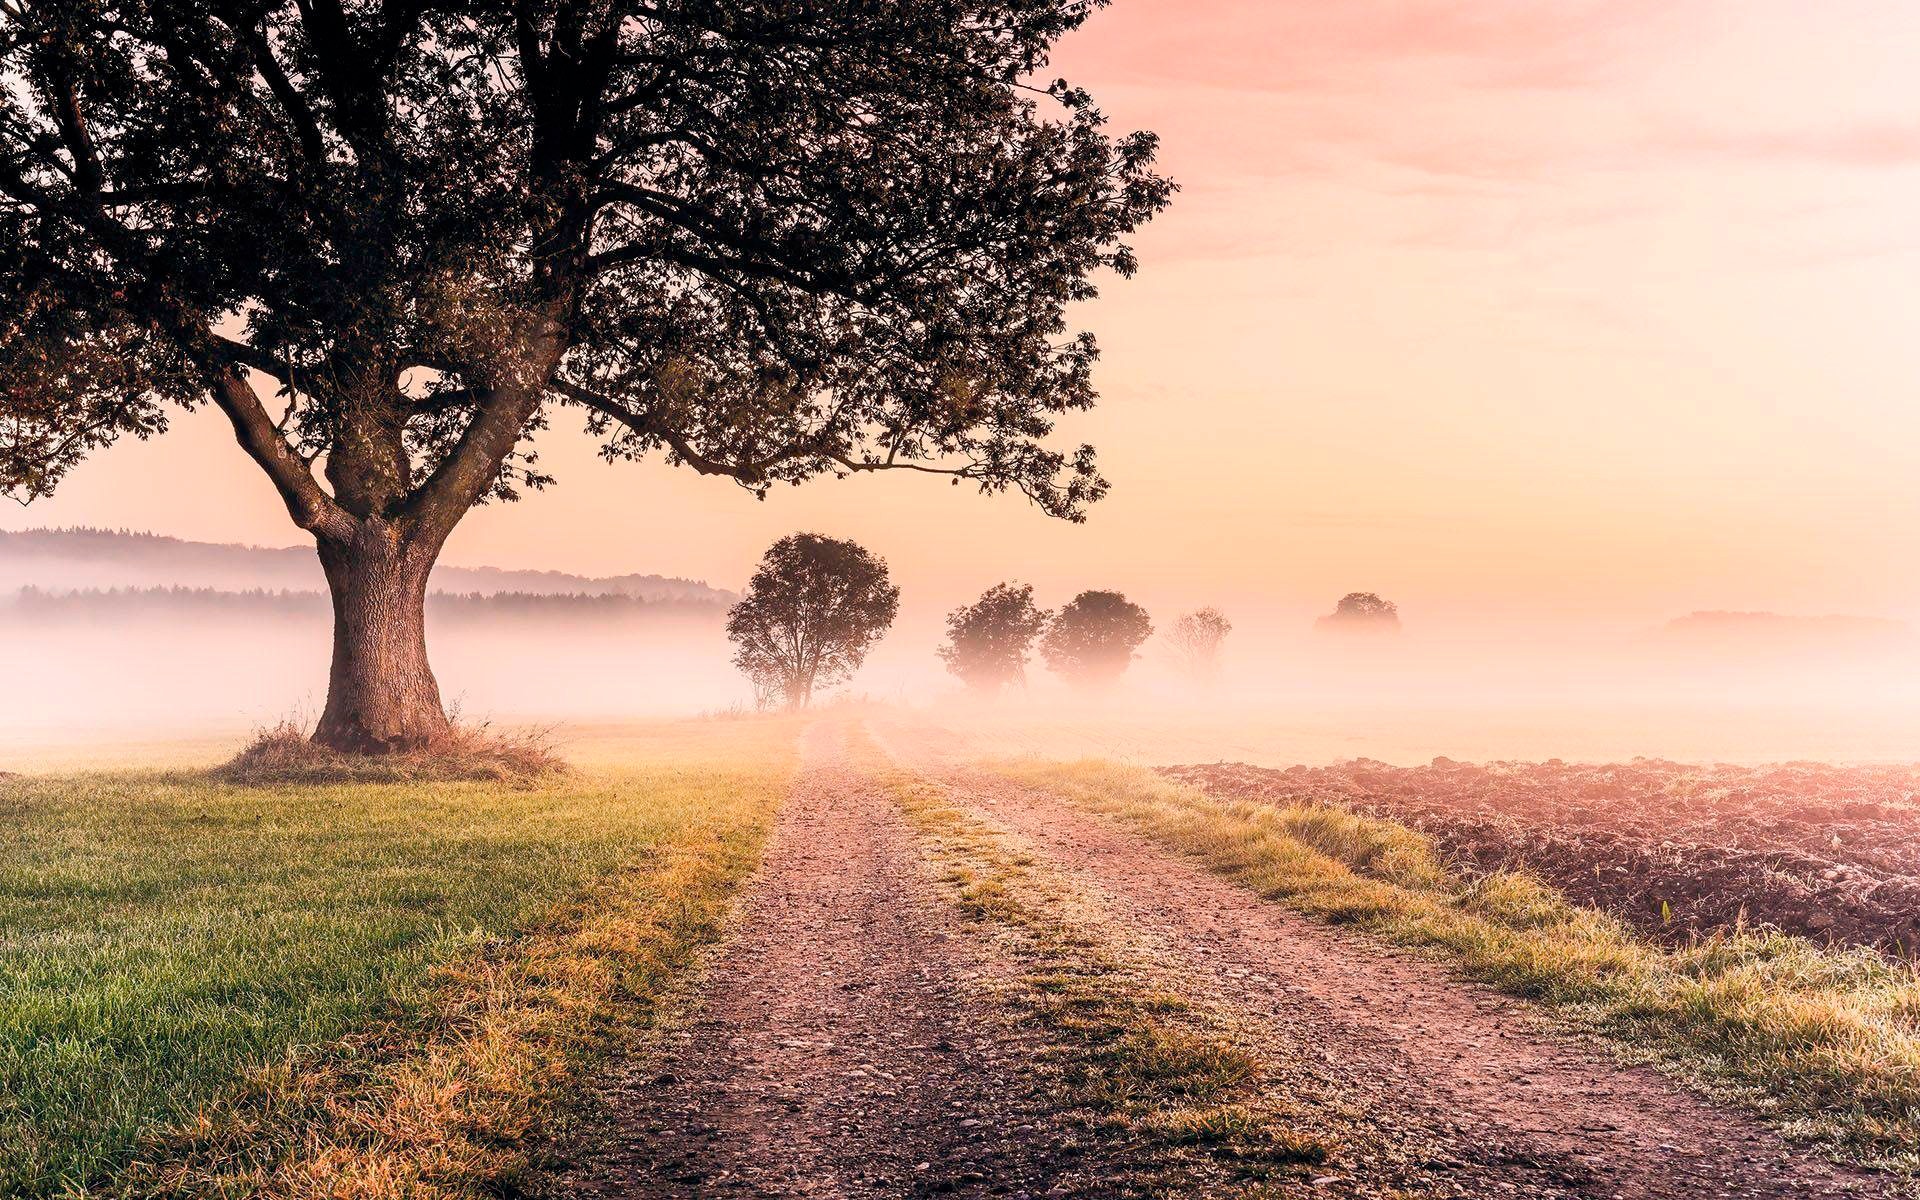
column 361, row 990
column 1164, row 1073
column 1824, row 1043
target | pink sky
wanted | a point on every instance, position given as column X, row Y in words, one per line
column 1611, row 309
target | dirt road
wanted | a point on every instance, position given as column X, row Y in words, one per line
column 843, row 1045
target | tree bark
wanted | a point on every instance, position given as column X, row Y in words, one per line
column 381, row 694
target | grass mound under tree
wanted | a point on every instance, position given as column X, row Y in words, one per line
column 286, row 754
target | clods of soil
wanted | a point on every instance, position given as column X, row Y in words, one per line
column 1828, row 852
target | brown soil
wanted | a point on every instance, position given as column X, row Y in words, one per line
column 1468, row 1092
column 843, row 1043
column 1830, row 853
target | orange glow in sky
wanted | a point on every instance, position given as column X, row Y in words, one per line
column 1610, row 310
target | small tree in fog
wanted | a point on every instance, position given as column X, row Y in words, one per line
column 989, row 640
column 1196, row 640
column 1094, row 637
column 769, row 688
column 811, row 611
column 1361, row 612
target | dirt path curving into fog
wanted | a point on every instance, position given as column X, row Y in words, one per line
column 1467, row 1090
column 840, row 1045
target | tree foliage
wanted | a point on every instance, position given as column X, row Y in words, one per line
column 1362, row 612
column 1196, row 639
column 810, row 613
column 768, row 238
column 1094, row 637
column 988, row 641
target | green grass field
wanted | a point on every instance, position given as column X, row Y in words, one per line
column 168, row 943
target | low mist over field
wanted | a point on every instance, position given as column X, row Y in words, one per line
column 129, row 635
column 65, row 560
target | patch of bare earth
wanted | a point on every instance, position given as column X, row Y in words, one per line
column 1831, row 853
column 843, row 1042
column 1462, row 1092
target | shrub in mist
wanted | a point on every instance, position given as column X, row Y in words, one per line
column 1196, row 639
column 989, row 641
column 1094, row 637
column 1361, row 612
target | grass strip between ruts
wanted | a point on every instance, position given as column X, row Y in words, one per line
column 1157, row 1068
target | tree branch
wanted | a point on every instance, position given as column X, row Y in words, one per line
column 247, row 356
column 309, row 505
column 470, row 468
column 746, row 472
column 260, row 49
column 643, row 424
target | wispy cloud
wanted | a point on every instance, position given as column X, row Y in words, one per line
column 1311, row 45
column 1849, row 145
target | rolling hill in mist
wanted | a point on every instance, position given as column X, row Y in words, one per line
column 77, row 559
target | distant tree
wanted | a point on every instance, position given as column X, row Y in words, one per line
column 391, row 241
column 989, row 640
column 1361, row 612
column 769, row 688
column 811, row 611
column 1093, row 638
column 1196, row 639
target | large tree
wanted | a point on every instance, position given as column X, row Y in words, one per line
column 389, row 239
column 811, row 612
column 988, row 641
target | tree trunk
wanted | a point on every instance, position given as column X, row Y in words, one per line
column 381, row 694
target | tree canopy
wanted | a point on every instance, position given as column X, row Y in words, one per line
column 988, row 641
column 1093, row 638
column 810, row 613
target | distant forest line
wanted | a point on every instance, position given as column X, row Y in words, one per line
column 84, row 557
column 43, row 606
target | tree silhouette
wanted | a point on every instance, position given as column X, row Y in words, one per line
column 391, row 239
column 1093, row 638
column 989, row 640
column 1196, row 638
column 811, row 611
column 1361, row 612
